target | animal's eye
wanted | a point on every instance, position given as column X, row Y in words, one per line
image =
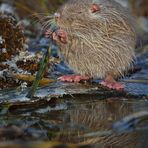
column 95, row 8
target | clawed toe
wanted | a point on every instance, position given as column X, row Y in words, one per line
column 73, row 78
column 113, row 85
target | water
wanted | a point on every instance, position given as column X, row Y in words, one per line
column 71, row 120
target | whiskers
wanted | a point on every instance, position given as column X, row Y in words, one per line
column 46, row 20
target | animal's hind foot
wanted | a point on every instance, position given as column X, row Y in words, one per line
column 113, row 85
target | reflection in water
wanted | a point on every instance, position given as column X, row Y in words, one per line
column 71, row 120
column 97, row 116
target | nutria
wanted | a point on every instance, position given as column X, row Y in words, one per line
column 97, row 39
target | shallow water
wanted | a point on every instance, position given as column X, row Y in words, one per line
column 85, row 120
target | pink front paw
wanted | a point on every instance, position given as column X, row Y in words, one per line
column 62, row 36
column 73, row 78
column 50, row 33
column 59, row 34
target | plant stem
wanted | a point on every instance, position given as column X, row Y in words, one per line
column 40, row 73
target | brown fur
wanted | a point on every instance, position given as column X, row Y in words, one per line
column 101, row 43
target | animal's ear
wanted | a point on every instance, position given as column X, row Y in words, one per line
column 95, row 8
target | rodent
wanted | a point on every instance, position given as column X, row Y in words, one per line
column 97, row 38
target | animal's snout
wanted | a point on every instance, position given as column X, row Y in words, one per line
column 57, row 15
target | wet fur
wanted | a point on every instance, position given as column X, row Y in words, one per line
column 101, row 43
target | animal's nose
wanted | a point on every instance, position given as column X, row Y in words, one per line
column 57, row 15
